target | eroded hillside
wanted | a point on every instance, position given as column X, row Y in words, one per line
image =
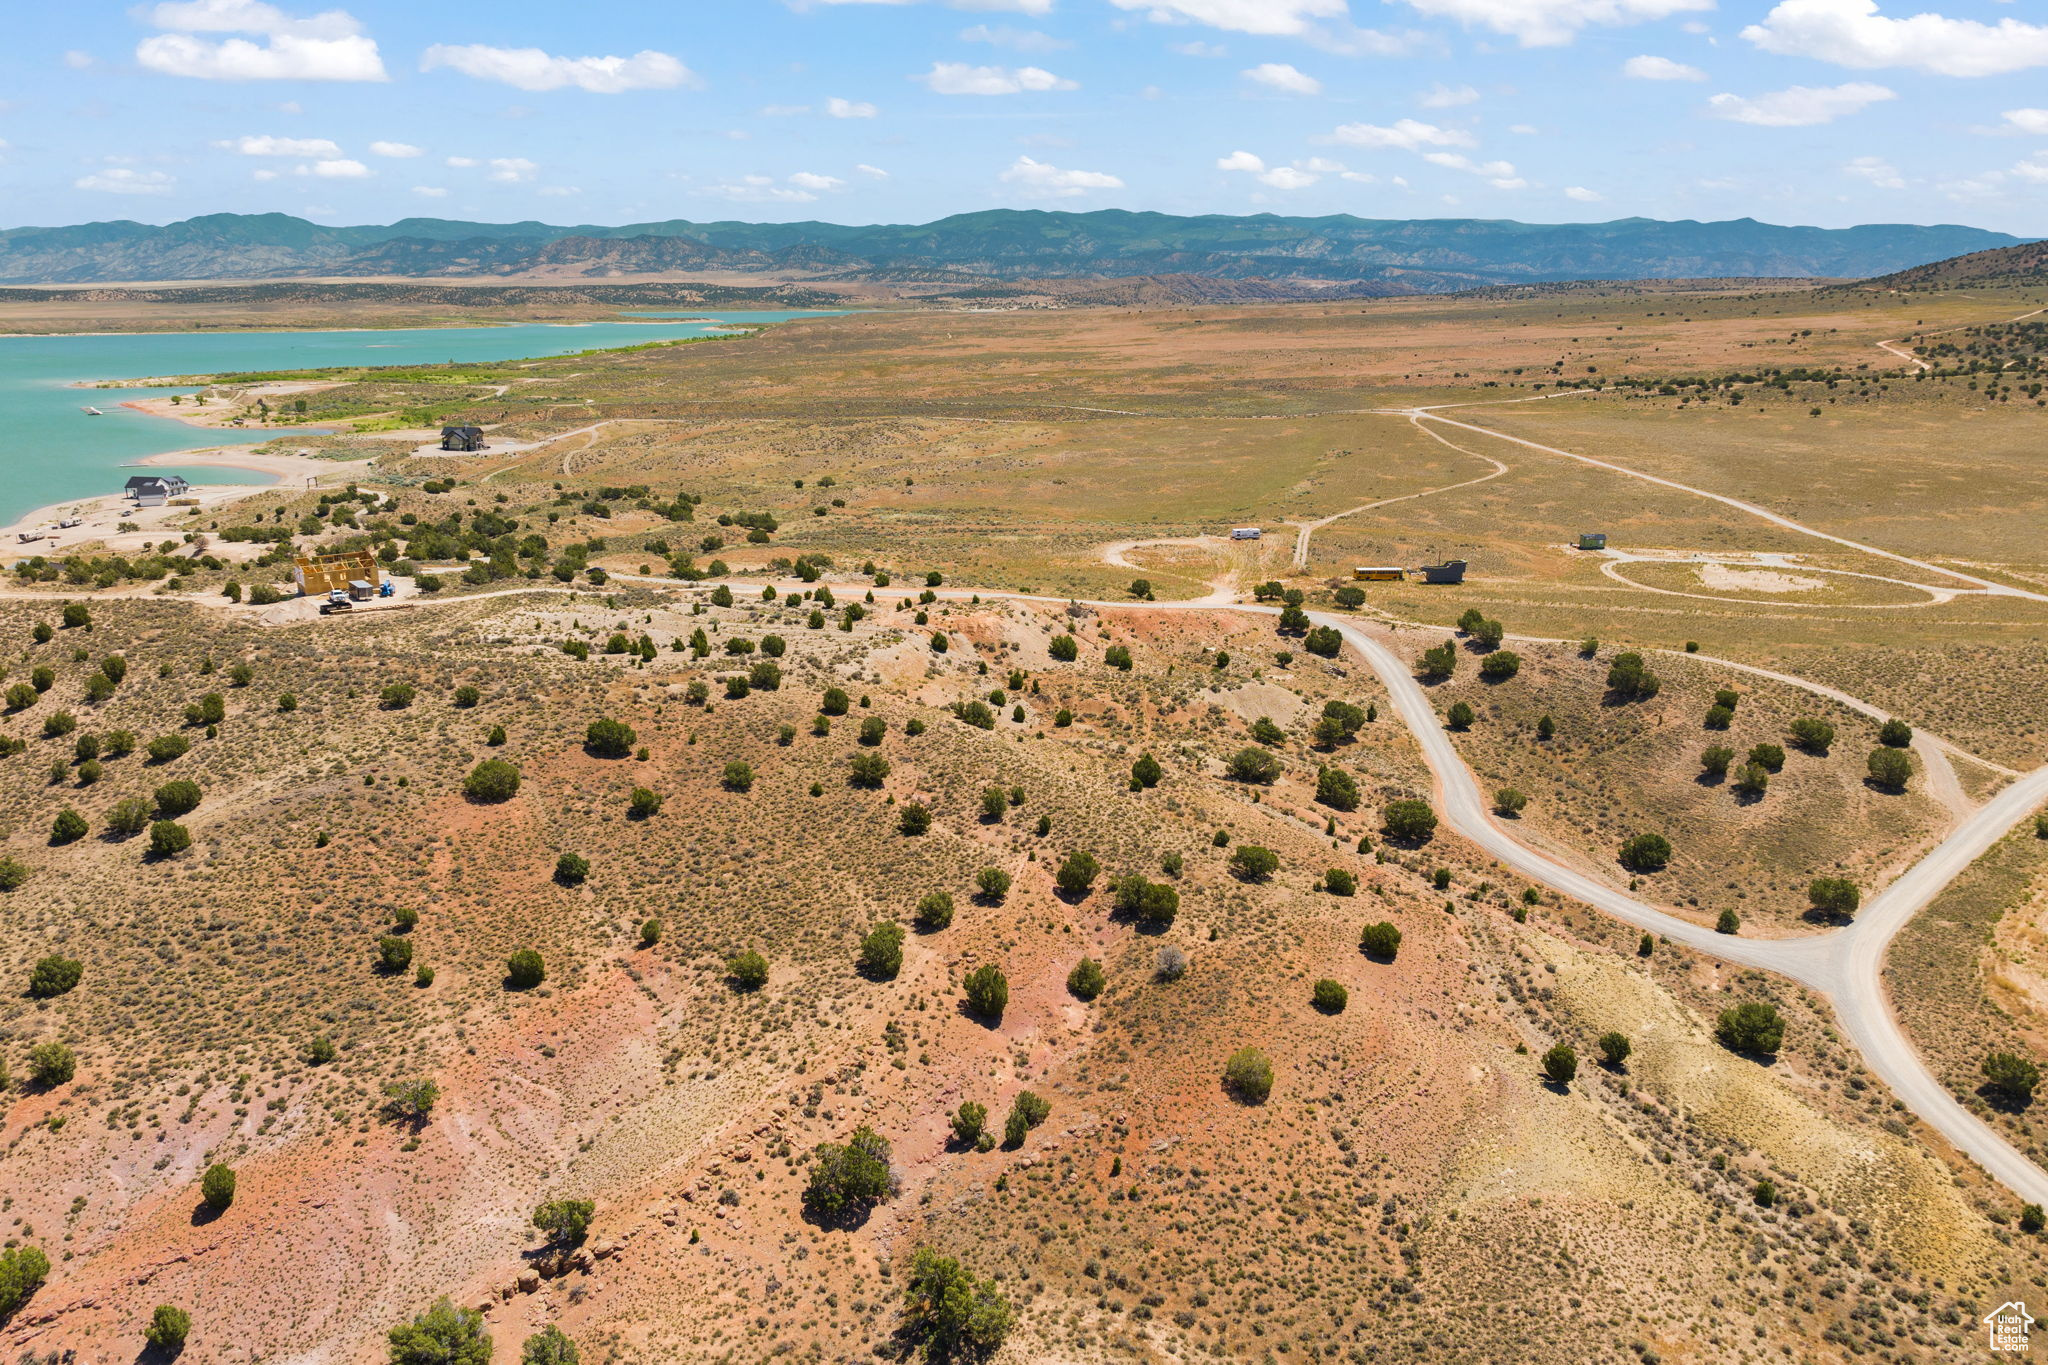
column 1409, row 1147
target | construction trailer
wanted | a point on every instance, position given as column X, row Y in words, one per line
column 1379, row 573
column 318, row 575
column 1245, row 533
column 1592, row 540
column 1450, row 571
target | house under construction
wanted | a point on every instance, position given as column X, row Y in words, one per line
column 318, row 575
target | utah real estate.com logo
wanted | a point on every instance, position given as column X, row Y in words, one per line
column 2007, row 1326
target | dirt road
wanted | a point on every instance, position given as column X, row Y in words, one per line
column 1846, row 965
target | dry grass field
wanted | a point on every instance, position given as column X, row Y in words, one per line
column 1967, row 977
column 1614, row 770
column 1029, row 440
column 1411, row 1188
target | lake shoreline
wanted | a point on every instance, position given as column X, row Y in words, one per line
column 101, row 515
column 60, row 461
column 479, row 326
column 192, row 415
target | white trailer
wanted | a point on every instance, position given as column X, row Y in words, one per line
column 1245, row 533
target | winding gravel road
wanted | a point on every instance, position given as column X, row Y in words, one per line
column 1846, row 965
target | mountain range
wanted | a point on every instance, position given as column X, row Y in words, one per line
column 1363, row 255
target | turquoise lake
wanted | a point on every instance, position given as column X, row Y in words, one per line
column 51, row 451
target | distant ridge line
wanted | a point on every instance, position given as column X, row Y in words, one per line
column 1373, row 255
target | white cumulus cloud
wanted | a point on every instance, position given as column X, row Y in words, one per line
column 1799, row 106
column 1035, row 8
column 1289, row 178
column 121, row 180
column 1299, row 176
column 1038, row 180
column 396, row 149
column 1283, row 17
column 1877, row 171
column 1854, row 33
column 1580, row 194
column 1015, row 39
column 807, row 180
column 1407, row 134
column 959, row 78
column 2034, row 121
column 1647, row 68
column 1441, row 96
column 1500, row 173
column 839, row 108
column 430, row 191
column 1281, row 76
column 511, row 170
column 876, row 171
column 336, row 168
column 758, row 189
column 279, row 146
column 529, row 68
column 330, row 46
column 1551, row 23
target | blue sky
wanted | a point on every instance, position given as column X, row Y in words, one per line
column 1829, row 112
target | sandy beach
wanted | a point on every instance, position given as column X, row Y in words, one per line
column 220, row 411
column 101, row 518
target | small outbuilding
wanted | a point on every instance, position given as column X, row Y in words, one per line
column 1450, row 571
column 462, row 438
column 155, row 490
column 1592, row 540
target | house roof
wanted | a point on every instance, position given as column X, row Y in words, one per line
column 157, row 481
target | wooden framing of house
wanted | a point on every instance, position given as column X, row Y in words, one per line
column 318, row 575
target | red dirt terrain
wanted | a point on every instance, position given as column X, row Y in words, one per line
column 1411, row 1188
